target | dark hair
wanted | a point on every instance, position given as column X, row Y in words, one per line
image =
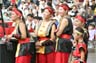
column 23, row 19
column 80, row 30
column 49, row 4
column 31, row 15
column 38, row 18
column 92, row 25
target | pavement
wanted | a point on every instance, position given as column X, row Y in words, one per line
column 91, row 55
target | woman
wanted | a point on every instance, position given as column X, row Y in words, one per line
column 64, row 32
column 45, row 32
column 79, row 47
column 21, row 34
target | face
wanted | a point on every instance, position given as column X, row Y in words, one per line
column 14, row 16
column 29, row 18
column 76, row 35
column 61, row 11
column 77, row 23
column 74, row 8
column 90, row 27
column 46, row 14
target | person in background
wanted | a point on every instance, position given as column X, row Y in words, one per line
column 79, row 47
column 92, row 34
column 45, row 31
column 94, row 17
column 21, row 6
column 74, row 11
column 6, row 17
column 89, row 16
column 30, row 22
column 93, row 6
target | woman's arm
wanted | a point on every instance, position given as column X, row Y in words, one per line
column 22, row 30
column 53, row 32
column 63, row 24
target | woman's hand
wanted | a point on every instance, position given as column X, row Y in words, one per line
column 38, row 45
column 8, row 37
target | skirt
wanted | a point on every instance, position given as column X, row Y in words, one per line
column 61, row 57
column 45, row 58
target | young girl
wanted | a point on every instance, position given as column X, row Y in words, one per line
column 79, row 47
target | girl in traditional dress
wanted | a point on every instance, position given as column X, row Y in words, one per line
column 79, row 47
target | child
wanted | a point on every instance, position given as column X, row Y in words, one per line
column 92, row 33
column 30, row 22
column 79, row 47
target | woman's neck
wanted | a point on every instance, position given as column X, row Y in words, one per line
column 46, row 20
column 17, row 21
column 65, row 15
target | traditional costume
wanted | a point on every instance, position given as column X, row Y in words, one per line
column 63, row 43
column 24, row 49
column 45, row 54
column 76, row 53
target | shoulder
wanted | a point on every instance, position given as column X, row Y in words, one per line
column 82, row 45
column 65, row 20
column 21, row 24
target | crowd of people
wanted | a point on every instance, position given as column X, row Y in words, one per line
column 62, row 30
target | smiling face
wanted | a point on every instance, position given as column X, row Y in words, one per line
column 61, row 11
column 46, row 14
column 76, row 35
column 14, row 16
column 77, row 23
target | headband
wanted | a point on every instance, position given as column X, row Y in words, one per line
column 13, row 1
column 64, row 6
column 17, row 12
column 80, row 18
column 78, row 32
column 50, row 10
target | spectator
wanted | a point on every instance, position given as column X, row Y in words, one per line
column 30, row 23
column 92, row 34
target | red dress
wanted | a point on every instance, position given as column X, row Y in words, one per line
column 76, row 52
